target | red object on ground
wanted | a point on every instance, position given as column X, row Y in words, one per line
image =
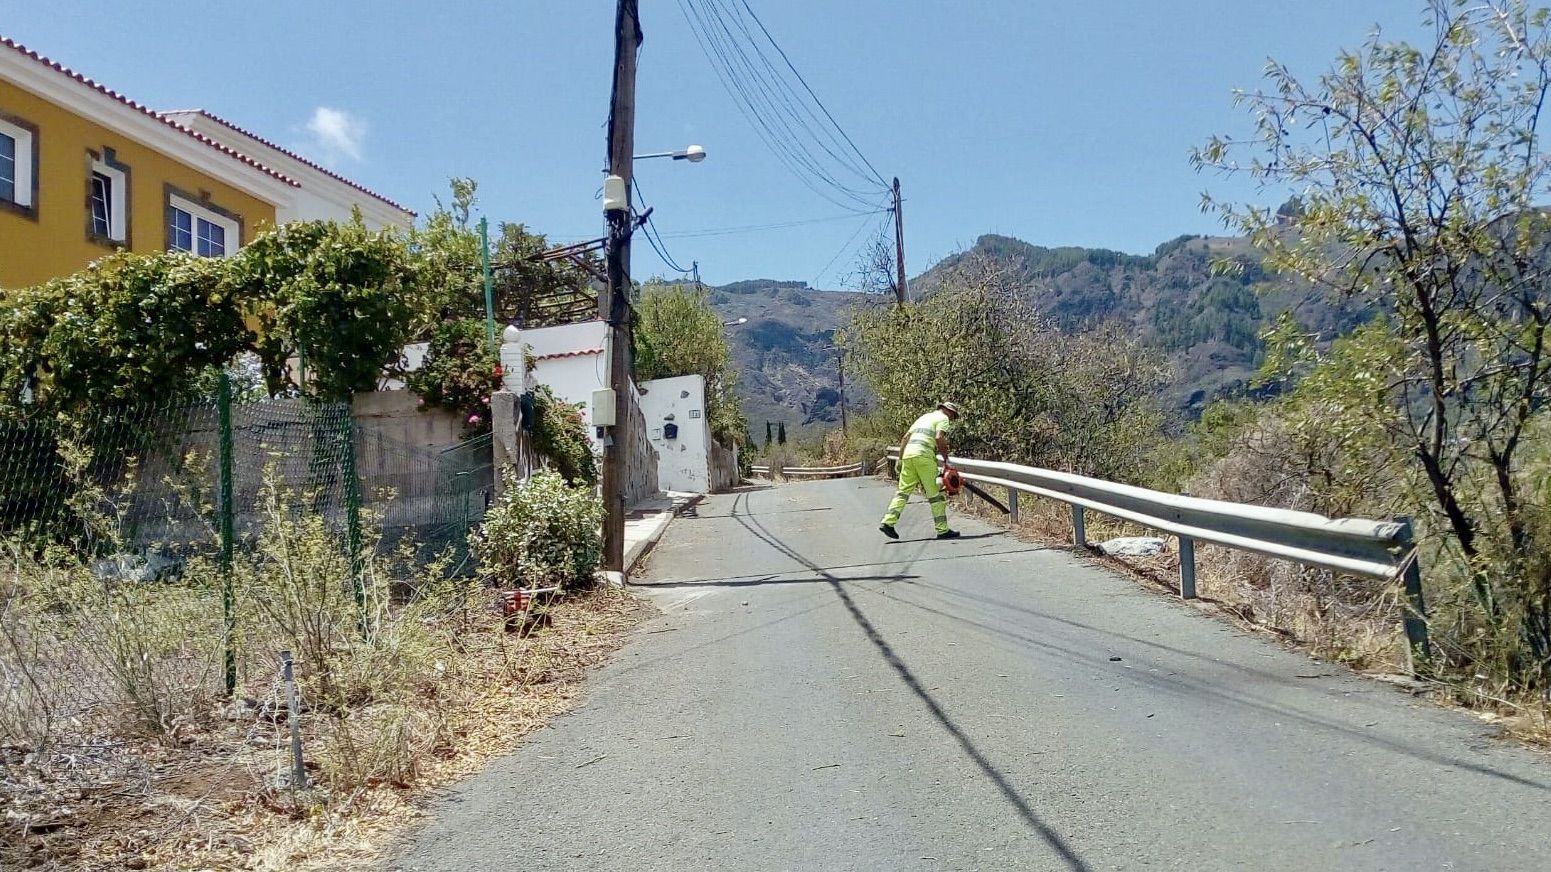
column 515, row 602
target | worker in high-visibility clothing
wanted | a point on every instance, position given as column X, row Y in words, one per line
column 925, row 439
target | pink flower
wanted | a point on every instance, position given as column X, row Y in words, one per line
column 474, row 420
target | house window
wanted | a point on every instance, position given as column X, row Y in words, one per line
column 109, row 196
column 7, row 167
column 16, row 164
column 199, row 230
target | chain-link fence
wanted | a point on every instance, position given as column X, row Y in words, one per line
column 142, row 588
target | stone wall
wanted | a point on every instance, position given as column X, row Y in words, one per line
column 724, row 468
column 641, row 458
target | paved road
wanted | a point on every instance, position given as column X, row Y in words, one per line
column 816, row 698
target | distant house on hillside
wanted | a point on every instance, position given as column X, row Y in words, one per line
column 85, row 171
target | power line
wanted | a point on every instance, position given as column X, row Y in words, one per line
column 843, row 249
column 756, row 99
column 782, row 117
column 653, row 235
column 754, row 228
column 875, row 174
column 793, row 102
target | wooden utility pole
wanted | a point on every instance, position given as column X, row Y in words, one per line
column 841, row 359
column 900, row 290
column 614, row 303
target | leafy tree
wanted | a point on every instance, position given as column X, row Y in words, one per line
column 127, row 329
column 1083, row 403
column 459, row 373
column 444, row 252
column 767, row 434
column 677, row 333
column 781, row 433
column 337, row 293
column 1419, row 170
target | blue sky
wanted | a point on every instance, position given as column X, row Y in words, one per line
column 1062, row 123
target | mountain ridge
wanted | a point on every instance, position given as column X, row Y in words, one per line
column 1205, row 321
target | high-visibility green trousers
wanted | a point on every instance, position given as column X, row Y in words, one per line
column 921, row 471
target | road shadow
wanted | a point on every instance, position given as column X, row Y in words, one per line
column 1019, row 803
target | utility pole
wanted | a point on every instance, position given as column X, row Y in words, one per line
column 614, row 304
column 841, row 359
column 900, row 290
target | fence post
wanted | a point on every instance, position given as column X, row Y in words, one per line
column 1012, row 504
column 1079, row 528
column 228, row 531
column 292, row 716
column 353, row 515
column 1415, row 615
column 1187, row 567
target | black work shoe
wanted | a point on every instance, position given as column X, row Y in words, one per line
column 951, row 534
column 888, row 530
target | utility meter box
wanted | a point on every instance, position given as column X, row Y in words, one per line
column 603, row 407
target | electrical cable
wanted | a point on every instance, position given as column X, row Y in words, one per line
column 775, row 109
column 789, row 65
column 649, row 230
column 793, row 103
column 843, row 249
column 754, row 228
column 754, row 102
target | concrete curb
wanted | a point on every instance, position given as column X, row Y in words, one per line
column 659, row 525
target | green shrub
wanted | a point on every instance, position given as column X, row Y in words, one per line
column 541, row 532
column 560, row 434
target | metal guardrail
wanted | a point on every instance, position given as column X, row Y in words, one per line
column 813, row 471
column 1374, row 549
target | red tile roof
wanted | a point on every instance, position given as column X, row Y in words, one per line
column 287, row 152
column 583, row 353
column 7, row 42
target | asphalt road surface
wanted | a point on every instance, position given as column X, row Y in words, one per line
column 815, row 697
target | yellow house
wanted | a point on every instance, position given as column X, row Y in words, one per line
column 85, row 171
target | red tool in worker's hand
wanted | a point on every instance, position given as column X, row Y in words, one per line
column 951, row 482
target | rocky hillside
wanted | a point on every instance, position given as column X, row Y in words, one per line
column 1207, row 324
column 785, row 354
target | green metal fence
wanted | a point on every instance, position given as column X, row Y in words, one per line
column 141, row 492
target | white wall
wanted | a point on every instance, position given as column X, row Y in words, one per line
column 684, row 462
column 571, row 360
column 320, row 197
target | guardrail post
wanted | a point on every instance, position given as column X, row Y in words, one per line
column 1187, row 567
column 1012, row 504
column 1079, row 528
column 1415, row 616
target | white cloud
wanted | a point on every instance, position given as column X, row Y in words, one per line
column 337, row 134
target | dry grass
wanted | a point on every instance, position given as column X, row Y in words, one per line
column 1339, row 619
column 208, row 800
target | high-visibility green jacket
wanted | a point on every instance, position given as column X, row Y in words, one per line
column 924, row 432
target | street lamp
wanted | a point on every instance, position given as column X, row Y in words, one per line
column 693, row 154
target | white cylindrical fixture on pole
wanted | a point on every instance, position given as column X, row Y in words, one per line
column 616, row 197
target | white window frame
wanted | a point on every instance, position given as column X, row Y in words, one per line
column 202, row 213
column 118, row 226
column 24, row 159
